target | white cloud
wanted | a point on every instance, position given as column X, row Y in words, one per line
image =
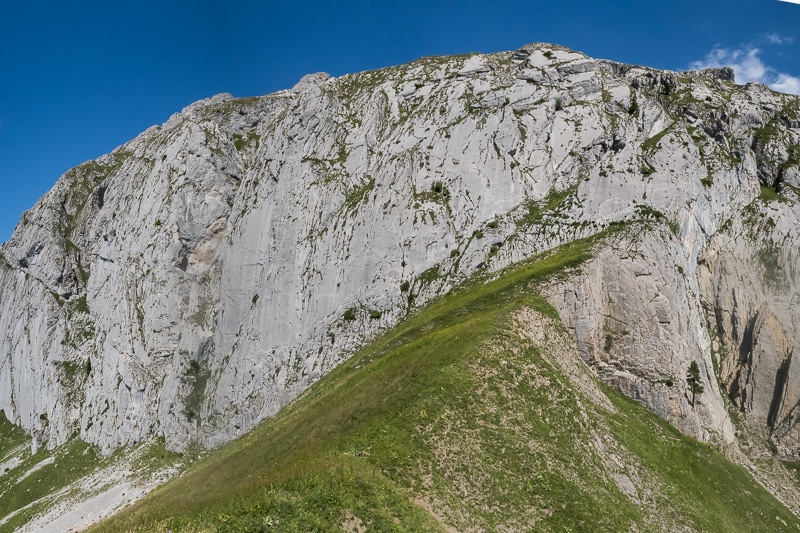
column 775, row 38
column 791, row 1
column 786, row 84
column 747, row 66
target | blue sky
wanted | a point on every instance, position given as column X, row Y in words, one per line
column 80, row 78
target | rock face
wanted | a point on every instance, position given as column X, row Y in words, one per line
column 199, row 277
column 638, row 322
column 751, row 290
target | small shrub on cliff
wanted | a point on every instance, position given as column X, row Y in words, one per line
column 694, row 381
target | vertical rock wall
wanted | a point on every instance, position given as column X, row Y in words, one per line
column 198, row 278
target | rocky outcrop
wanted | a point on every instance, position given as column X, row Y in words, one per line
column 749, row 281
column 639, row 324
column 202, row 275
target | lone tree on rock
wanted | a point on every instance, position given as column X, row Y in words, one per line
column 694, row 381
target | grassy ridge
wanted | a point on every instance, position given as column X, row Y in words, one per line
column 455, row 418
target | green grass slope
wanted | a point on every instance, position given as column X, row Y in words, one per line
column 32, row 484
column 472, row 415
column 27, row 479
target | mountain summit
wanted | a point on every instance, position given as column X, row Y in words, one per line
column 198, row 278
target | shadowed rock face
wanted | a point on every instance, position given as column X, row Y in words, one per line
column 749, row 279
column 202, row 275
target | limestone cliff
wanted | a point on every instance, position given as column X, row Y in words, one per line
column 202, row 275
